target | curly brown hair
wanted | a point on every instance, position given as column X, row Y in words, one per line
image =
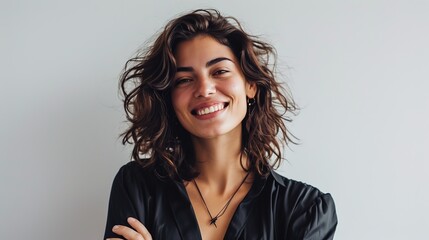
column 160, row 141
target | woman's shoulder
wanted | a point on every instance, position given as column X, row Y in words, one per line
column 293, row 186
column 133, row 174
column 133, row 169
column 300, row 195
column 311, row 213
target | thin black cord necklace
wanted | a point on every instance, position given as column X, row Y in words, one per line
column 223, row 210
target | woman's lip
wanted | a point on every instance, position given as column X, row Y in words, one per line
column 207, row 105
column 211, row 115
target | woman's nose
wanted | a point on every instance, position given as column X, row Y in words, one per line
column 205, row 87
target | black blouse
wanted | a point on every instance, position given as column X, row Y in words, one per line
column 274, row 208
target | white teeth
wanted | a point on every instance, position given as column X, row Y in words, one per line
column 210, row 109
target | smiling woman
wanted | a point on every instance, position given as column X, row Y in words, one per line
column 207, row 123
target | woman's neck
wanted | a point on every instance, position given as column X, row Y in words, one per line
column 219, row 162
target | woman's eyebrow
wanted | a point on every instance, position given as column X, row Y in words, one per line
column 208, row 64
column 216, row 60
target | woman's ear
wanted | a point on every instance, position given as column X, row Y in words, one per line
column 251, row 89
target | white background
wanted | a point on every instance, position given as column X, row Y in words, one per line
column 358, row 69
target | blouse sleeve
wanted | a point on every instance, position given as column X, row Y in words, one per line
column 122, row 202
column 319, row 221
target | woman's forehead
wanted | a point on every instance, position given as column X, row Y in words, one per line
column 201, row 50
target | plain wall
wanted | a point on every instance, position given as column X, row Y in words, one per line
column 358, row 69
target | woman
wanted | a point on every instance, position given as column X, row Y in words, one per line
column 207, row 123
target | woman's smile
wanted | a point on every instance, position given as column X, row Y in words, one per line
column 210, row 109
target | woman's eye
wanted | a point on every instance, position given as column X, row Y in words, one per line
column 181, row 81
column 219, row 72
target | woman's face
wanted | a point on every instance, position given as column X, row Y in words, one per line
column 209, row 90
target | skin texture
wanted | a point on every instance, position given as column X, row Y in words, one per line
column 208, row 75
